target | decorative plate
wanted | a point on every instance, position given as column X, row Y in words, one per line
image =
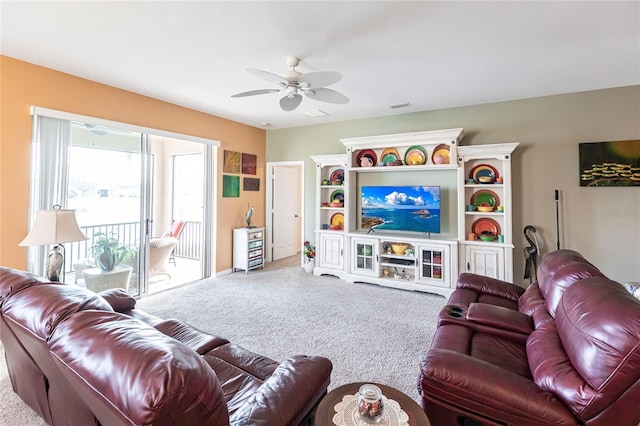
column 338, row 194
column 486, row 226
column 369, row 153
column 484, row 170
column 485, row 196
column 389, row 155
column 337, row 219
column 415, row 156
column 337, row 175
column 441, row 150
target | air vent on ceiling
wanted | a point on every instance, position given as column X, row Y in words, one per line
column 402, row 105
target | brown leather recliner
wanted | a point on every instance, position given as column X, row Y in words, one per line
column 573, row 359
column 75, row 360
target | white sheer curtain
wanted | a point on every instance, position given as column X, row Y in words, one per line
column 49, row 175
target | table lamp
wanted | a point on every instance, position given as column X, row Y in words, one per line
column 55, row 226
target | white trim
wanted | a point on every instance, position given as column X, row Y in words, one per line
column 36, row 110
column 269, row 206
column 222, row 273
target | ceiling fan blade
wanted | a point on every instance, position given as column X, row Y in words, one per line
column 290, row 102
column 254, row 92
column 265, row 75
column 317, row 79
column 327, row 95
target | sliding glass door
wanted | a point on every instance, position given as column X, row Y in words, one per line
column 176, row 243
column 105, row 172
column 146, row 196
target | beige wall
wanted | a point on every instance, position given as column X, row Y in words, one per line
column 602, row 223
column 25, row 85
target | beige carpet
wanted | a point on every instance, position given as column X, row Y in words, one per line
column 370, row 333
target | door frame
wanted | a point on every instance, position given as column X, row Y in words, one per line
column 269, row 205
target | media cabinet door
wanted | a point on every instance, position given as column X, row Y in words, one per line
column 364, row 256
column 487, row 261
column 331, row 254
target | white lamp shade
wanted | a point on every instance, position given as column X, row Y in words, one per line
column 54, row 227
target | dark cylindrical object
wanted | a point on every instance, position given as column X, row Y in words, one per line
column 557, row 219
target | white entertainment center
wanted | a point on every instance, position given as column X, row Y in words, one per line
column 469, row 240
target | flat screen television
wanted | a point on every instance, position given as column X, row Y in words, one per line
column 401, row 208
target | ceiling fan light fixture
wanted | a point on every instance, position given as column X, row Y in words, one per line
column 312, row 84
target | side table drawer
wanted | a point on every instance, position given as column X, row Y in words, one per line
column 254, row 244
column 255, row 253
column 255, row 262
column 255, row 235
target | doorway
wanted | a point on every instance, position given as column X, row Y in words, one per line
column 285, row 201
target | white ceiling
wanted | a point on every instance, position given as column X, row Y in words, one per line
column 432, row 54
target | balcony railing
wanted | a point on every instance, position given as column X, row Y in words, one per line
column 128, row 233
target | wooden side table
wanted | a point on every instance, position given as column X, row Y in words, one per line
column 325, row 412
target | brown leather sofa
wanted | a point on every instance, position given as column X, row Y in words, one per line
column 81, row 358
column 565, row 351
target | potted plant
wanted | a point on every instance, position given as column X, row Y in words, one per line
column 310, row 254
column 109, row 252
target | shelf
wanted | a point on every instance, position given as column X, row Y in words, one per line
column 481, row 185
column 484, row 213
column 402, row 280
column 486, row 243
column 403, row 168
column 398, row 262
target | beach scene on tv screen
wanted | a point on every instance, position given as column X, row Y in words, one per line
column 401, row 208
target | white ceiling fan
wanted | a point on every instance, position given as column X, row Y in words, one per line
column 312, row 84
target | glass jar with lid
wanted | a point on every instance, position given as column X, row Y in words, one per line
column 370, row 403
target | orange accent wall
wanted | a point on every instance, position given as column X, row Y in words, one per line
column 23, row 85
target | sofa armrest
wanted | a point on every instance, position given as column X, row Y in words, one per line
column 491, row 390
column 289, row 395
column 488, row 285
column 119, row 299
column 500, row 317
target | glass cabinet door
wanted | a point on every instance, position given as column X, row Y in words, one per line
column 364, row 256
column 432, row 265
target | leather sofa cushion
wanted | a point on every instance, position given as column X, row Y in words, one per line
column 263, row 392
column 487, row 374
column 558, row 272
column 130, row 373
column 41, row 308
column 12, row 281
column 197, row 340
column 119, row 299
column 593, row 346
column 477, row 288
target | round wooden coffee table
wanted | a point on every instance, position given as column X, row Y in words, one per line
column 325, row 412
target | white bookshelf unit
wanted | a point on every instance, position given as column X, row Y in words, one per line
column 492, row 257
column 330, row 235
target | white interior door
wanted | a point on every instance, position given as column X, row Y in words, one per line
column 286, row 212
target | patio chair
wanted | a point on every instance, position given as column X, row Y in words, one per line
column 175, row 231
